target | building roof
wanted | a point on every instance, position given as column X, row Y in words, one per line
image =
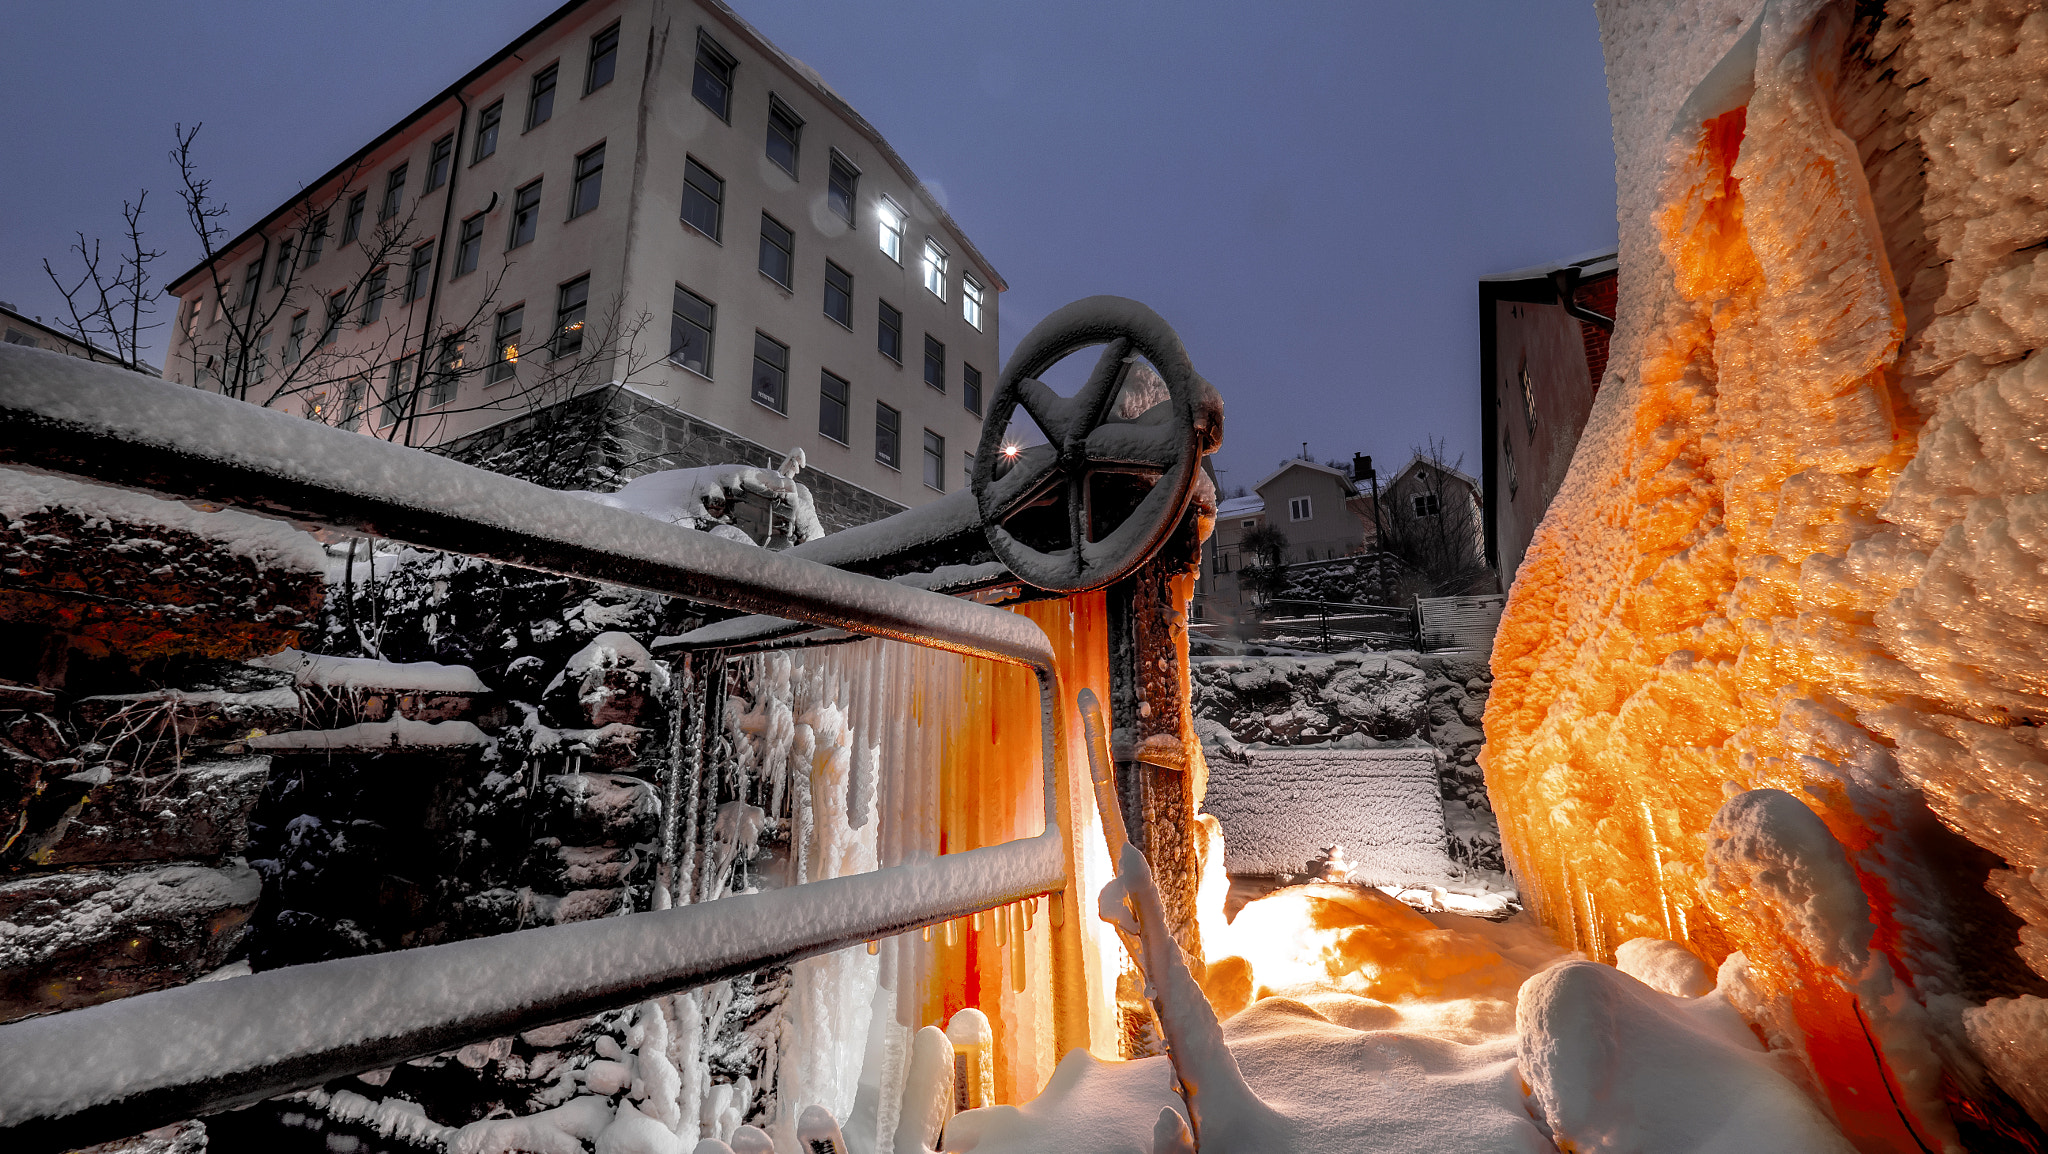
column 13, row 317
column 1305, row 463
column 798, row 71
column 1418, row 460
column 1240, row 506
column 1599, row 262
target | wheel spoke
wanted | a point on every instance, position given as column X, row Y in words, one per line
column 1137, row 443
column 1091, row 405
column 1025, row 481
column 1052, row 411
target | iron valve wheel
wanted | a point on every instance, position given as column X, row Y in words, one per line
column 1101, row 496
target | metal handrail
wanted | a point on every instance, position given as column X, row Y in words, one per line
column 108, row 1071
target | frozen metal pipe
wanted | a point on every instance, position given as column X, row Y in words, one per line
column 102, row 423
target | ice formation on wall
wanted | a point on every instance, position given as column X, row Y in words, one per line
column 1802, row 544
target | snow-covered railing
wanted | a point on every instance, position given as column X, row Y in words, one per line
column 83, row 1076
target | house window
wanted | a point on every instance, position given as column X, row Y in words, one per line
column 470, row 245
column 17, row 337
column 439, row 160
column 934, row 363
column 771, row 372
column 1425, row 504
column 934, row 461
column 316, row 239
column 397, row 393
column 784, row 130
column 571, row 300
column 525, row 214
column 703, row 198
column 284, row 263
column 891, row 219
column 394, row 192
column 1507, row 448
column 373, row 293
column 454, row 356
column 249, row 283
column 778, row 250
column 840, row 187
column 1299, row 509
column 839, row 294
column 295, row 341
column 934, row 268
column 689, row 331
column 712, row 85
column 540, row 103
column 352, row 221
column 604, row 60
column 888, row 436
column 1529, row 401
column 505, row 344
column 834, row 397
column 967, row 466
column 970, row 299
column 487, row 123
column 422, row 268
column 970, row 388
column 352, row 400
column 331, row 328
column 889, row 331
column 589, row 182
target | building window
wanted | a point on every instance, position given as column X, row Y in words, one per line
column 525, row 214
column 295, row 341
column 771, row 372
column 970, row 299
column 888, row 436
column 470, row 245
column 840, row 187
column 448, row 370
column 352, row 221
column 891, row 219
column 17, row 337
column 689, row 331
column 250, row 282
column 422, row 268
column 505, row 344
column 834, row 407
column 373, row 293
column 1300, row 509
column 316, row 239
column 1425, row 504
column 439, row 160
column 397, row 393
column 839, row 294
column 889, row 331
column 394, row 192
column 967, row 467
column 540, row 103
column 1528, row 400
column 331, row 328
column 712, row 85
column 934, row 461
column 778, row 250
column 934, row 363
column 604, row 60
column 703, row 198
column 284, row 263
column 570, row 303
column 1507, row 448
column 970, row 388
column 784, row 129
column 589, row 182
column 934, row 268
column 487, row 123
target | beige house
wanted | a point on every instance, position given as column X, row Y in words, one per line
column 17, row 328
column 1317, row 507
column 639, row 217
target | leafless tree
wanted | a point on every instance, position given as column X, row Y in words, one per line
column 1434, row 527
column 111, row 305
column 1265, row 569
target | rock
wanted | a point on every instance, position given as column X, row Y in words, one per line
column 37, row 735
column 161, row 726
column 199, row 812
column 83, row 937
column 601, row 809
column 608, row 681
column 15, row 695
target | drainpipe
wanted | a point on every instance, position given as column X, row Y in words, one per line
column 1566, row 282
column 255, row 292
column 419, row 377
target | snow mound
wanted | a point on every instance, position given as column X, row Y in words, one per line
column 375, row 735
column 272, row 544
column 318, row 669
column 701, row 498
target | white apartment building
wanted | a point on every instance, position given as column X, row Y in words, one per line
column 643, row 199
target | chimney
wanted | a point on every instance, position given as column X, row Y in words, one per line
column 1361, row 467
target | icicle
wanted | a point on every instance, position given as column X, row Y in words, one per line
column 1019, row 952
column 818, row 1133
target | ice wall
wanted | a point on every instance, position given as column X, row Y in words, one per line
column 1804, row 542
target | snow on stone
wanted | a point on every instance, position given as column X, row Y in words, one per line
column 1287, row 805
column 268, row 543
column 98, row 904
column 321, row 670
column 686, row 497
column 374, row 735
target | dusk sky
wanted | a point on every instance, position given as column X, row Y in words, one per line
column 1307, row 192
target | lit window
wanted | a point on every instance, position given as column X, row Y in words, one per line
column 1299, row 509
column 525, row 214
column 505, row 345
column 439, row 160
column 934, row 269
column 712, row 85
column 540, row 103
column 934, row 363
column 785, row 128
column 834, row 397
column 394, row 193
column 487, row 123
column 888, row 436
column 1424, row 504
column 934, row 461
column 891, row 219
column 778, row 250
column 970, row 299
column 771, row 372
column 689, row 331
column 703, row 198
column 589, row 182
column 417, row 275
column 840, row 187
column 470, row 245
column 839, row 294
column 889, row 331
column 454, row 356
column 604, row 60
column 970, row 388
column 570, row 303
